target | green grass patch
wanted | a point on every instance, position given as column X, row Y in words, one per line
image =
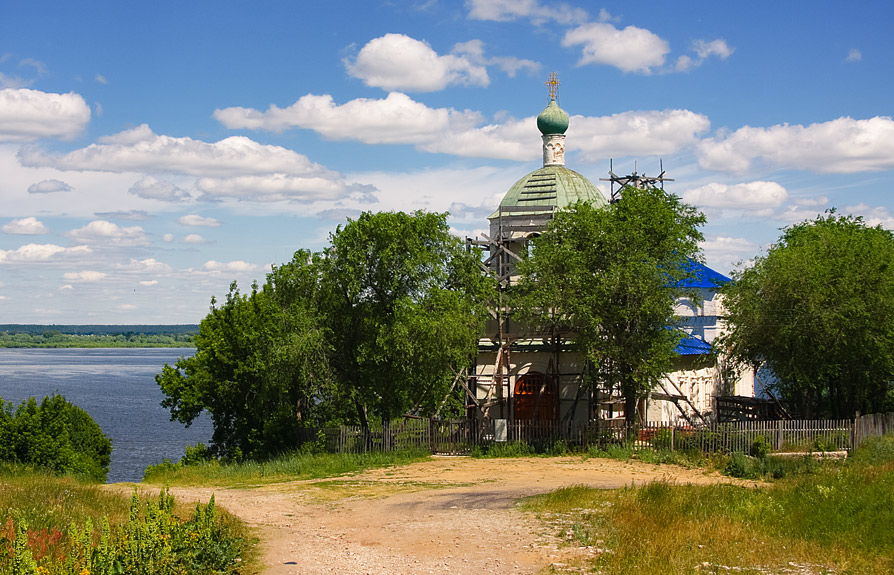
column 829, row 519
column 60, row 526
column 290, row 467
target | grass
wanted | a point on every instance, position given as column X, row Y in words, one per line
column 45, row 501
column 54, row 525
column 290, row 467
column 830, row 518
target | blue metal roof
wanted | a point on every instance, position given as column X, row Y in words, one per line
column 693, row 345
column 704, row 277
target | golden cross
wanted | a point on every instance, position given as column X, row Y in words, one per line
column 553, row 85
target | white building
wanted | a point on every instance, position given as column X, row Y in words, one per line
column 520, row 375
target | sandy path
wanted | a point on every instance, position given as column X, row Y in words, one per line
column 445, row 515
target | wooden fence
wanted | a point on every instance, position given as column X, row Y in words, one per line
column 464, row 435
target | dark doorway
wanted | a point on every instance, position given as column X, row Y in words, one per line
column 535, row 397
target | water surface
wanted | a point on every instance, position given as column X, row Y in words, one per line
column 116, row 386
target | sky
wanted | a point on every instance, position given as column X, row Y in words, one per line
column 152, row 153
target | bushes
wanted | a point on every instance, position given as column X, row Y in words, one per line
column 55, row 435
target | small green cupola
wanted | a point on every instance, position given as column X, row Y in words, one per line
column 552, row 120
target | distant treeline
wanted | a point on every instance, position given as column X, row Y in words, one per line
column 31, row 335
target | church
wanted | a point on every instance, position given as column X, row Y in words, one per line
column 520, row 375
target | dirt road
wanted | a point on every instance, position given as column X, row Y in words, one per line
column 445, row 515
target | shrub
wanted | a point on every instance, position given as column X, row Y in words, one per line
column 760, row 447
column 55, row 435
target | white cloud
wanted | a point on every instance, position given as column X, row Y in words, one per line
column 194, row 239
column 811, row 202
column 474, row 51
column 725, row 253
column 637, row 133
column 237, row 266
column 101, row 79
column 630, row 50
column 749, row 196
column 400, row 120
column 148, row 265
column 397, row 119
column 197, row 220
column 49, row 187
column 148, row 283
column 841, row 146
column 136, row 215
column 29, row 226
column 507, row 10
column 873, row 216
column 854, row 55
column 27, row 115
column 84, row 276
column 154, row 189
column 399, row 62
column 140, row 150
column 273, row 188
column 41, row 253
column 704, row 50
column 107, row 233
column 126, row 307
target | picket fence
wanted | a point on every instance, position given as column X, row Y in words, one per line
column 462, row 436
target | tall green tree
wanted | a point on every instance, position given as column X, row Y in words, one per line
column 610, row 276
column 260, row 366
column 405, row 303
column 818, row 310
column 378, row 323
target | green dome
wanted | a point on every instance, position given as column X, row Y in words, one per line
column 552, row 120
column 552, row 186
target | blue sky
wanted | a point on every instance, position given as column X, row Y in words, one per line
column 151, row 153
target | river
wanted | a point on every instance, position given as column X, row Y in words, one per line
column 116, row 386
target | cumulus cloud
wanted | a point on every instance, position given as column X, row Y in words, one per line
column 725, row 253
column 704, row 50
column 840, row 146
column 507, row 10
column 194, row 239
column 27, row 115
column 636, row 133
column 873, row 216
column 237, row 266
column 630, row 49
column 29, row 226
column 42, row 253
column 197, row 220
column 397, row 119
column 152, row 188
column 854, row 55
column 148, row 265
column 399, row 62
column 748, row 196
column 107, row 233
column 84, row 276
column 140, row 150
column 49, row 187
